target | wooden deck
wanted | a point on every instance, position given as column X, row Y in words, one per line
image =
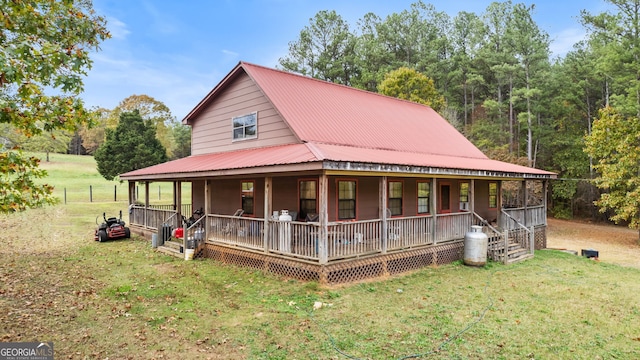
column 343, row 241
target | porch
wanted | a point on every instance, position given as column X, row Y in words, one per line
column 344, row 251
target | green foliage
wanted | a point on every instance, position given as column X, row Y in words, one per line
column 152, row 111
column 43, row 45
column 131, row 146
column 615, row 144
column 19, row 175
column 181, row 136
column 411, row 85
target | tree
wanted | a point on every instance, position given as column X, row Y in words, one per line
column 181, row 141
column 19, row 191
column 132, row 145
column 411, row 85
column 615, row 144
column 44, row 45
column 325, row 50
column 152, row 111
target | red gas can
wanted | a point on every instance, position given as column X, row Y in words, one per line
column 179, row 233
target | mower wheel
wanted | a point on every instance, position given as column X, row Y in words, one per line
column 102, row 236
column 127, row 232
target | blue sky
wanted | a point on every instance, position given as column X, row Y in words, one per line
column 177, row 51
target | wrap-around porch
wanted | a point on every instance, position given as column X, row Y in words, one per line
column 323, row 239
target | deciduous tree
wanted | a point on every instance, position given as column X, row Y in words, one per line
column 614, row 144
column 43, row 45
column 411, row 85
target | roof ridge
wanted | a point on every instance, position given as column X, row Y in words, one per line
column 350, row 88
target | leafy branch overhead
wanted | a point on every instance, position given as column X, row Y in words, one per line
column 44, row 45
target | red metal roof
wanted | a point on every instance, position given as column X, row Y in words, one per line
column 317, row 152
column 342, row 124
column 324, row 112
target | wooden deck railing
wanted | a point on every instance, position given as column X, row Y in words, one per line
column 452, row 226
column 303, row 240
column 155, row 215
column 530, row 216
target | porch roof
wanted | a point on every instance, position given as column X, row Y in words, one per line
column 320, row 156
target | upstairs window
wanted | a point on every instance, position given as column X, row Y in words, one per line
column 424, row 189
column 395, row 198
column 245, row 127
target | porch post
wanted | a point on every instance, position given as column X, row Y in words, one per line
column 323, row 217
column 177, row 200
column 434, row 211
column 146, row 203
column 499, row 204
column 545, row 184
column 525, row 201
column 383, row 213
column 132, row 201
column 268, row 206
column 472, row 198
column 207, row 209
column 132, row 192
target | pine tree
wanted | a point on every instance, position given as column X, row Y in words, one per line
column 132, row 145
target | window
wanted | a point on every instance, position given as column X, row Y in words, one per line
column 346, row 200
column 464, row 196
column 493, row 195
column 308, row 198
column 445, row 200
column 247, row 197
column 245, row 127
column 423, row 197
column 395, row 198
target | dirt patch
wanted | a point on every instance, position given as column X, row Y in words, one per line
column 615, row 244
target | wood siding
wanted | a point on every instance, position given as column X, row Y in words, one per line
column 212, row 129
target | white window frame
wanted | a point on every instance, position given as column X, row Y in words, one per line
column 244, row 127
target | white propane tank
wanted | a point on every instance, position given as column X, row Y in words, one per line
column 475, row 247
column 284, row 243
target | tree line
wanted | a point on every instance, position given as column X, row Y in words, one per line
column 502, row 86
column 491, row 75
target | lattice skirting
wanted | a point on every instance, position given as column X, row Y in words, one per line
column 345, row 271
column 540, row 237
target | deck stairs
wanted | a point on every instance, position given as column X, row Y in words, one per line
column 172, row 247
column 510, row 251
column 515, row 252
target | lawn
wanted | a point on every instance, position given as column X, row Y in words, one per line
column 123, row 300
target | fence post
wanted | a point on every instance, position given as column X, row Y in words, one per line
column 65, row 196
column 115, row 192
column 90, row 193
column 159, row 192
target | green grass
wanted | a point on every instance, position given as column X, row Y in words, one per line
column 121, row 299
column 78, row 178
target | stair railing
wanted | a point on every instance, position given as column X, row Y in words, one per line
column 492, row 246
column 198, row 232
column 530, row 232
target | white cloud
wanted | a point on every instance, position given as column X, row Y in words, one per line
column 117, row 28
column 563, row 41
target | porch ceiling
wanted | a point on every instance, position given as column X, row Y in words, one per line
column 317, row 156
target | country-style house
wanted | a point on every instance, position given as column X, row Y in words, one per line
column 374, row 185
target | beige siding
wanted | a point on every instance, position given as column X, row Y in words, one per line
column 212, row 129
